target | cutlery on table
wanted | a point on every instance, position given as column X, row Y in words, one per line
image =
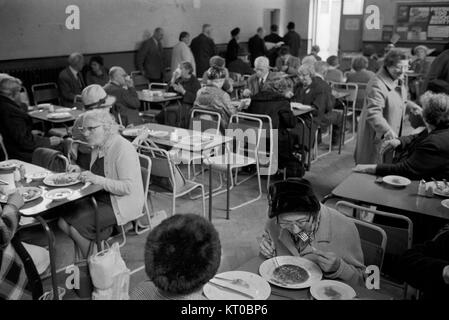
column 87, row 184
column 219, row 286
column 237, row 282
column 436, row 183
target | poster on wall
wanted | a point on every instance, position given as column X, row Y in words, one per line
column 387, row 33
column 439, row 16
column 419, row 15
column 403, row 13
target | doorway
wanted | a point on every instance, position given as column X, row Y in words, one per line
column 270, row 17
column 325, row 26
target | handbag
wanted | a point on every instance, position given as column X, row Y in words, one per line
column 110, row 275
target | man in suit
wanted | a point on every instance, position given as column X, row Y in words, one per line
column 275, row 38
column 70, row 80
column 16, row 125
column 264, row 80
column 241, row 65
column 292, row 39
column 287, row 63
column 127, row 103
column 150, row 57
column 437, row 79
column 233, row 47
column 256, row 45
column 203, row 48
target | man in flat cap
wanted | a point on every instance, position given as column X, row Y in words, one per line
column 333, row 240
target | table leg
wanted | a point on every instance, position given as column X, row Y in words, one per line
column 228, row 182
column 52, row 253
column 210, row 192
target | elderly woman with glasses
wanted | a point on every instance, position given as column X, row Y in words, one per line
column 383, row 111
column 115, row 166
column 331, row 239
column 427, row 153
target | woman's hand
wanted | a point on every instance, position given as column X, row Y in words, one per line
column 389, row 145
column 15, row 199
column 267, row 248
column 414, row 108
column 73, row 168
column 365, row 168
column 88, row 176
column 246, row 93
column 329, row 262
column 179, row 88
column 390, row 134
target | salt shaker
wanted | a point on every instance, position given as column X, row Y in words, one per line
column 422, row 188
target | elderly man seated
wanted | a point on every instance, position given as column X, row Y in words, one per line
column 264, row 80
column 16, row 125
column 70, row 80
column 127, row 104
column 333, row 240
column 286, row 62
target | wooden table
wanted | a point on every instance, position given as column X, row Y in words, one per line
column 361, row 188
column 217, row 140
column 279, row 293
column 42, row 115
column 162, row 100
column 39, row 207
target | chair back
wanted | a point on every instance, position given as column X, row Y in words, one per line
column 400, row 232
column 267, row 143
column 78, row 102
column 50, row 159
column 246, row 132
column 2, row 146
column 360, row 96
column 209, row 120
column 235, row 76
column 145, row 168
column 140, row 82
column 373, row 240
column 45, row 92
column 158, row 86
column 164, row 173
column 350, row 87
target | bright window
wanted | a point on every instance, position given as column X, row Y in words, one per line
column 353, row 7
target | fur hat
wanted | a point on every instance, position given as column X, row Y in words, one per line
column 182, row 253
column 292, row 195
column 217, row 62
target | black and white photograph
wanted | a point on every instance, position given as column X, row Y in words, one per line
column 224, row 155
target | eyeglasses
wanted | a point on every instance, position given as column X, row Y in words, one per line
column 287, row 223
column 88, row 129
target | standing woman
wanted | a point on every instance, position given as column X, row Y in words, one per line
column 115, row 166
column 232, row 50
column 383, row 110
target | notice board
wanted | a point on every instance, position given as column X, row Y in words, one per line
column 422, row 21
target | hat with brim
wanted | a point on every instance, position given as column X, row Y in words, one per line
column 292, row 195
column 426, row 49
column 94, row 97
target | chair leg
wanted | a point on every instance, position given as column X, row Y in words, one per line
column 174, row 204
column 203, row 200
column 252, row 200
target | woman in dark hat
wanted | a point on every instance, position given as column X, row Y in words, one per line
column 181, row 255
column 233, row 46
column 334, row 242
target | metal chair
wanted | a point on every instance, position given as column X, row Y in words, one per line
column 139, row 80
column 45, row 92
column 167, row 178
column 158, row 86
column 246, row 132
column 400, row 238
column 351, row 101
column 2, row 146
column 78, row 102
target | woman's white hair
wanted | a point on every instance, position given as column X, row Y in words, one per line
column 9, row 86
column 103, row 117
column 307, row 68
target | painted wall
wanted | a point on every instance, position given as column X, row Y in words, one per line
column 36, row 28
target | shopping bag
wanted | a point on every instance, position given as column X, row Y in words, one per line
column 109, row 274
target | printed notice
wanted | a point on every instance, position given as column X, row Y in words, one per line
column 439, row 15
column 438, row 32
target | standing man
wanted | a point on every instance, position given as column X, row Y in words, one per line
column 203, row 48
column 127, row 103
column 233, row 47
column 150, row 57
column 256, row 45
column 292, row 39
column 182, row 53
column 276, row 40
column 70, row 80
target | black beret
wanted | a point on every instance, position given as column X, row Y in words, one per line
column 235, row 32
column 292, row 195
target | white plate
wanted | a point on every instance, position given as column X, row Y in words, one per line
column 267, row 268
column 36, row 176
column 72, row 178
column 37, row 193
column 332, row 290
column 170, row 94
column 59, row 115
column 396, row 181
column 258, row 287
column 44, row 105
column 8, row 164
column 440, row 192
column 58, row 194
column 158, row 134
column 62, row 109
column 131, row 132
column 445, row 203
